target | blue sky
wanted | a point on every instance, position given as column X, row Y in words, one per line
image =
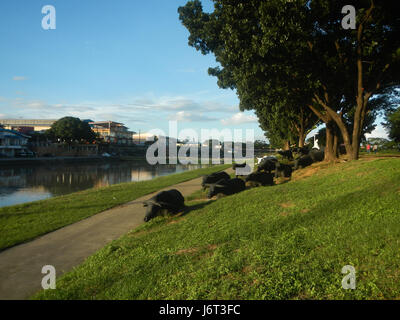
column 121, row 60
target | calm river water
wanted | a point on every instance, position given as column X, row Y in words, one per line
column 33, row 182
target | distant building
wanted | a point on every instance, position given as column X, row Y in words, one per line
column 12, row 142
column 149, row 138
column 142, row 138
column 27, row 125
column 112, row 132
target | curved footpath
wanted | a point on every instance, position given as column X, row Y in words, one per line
column 65, row 248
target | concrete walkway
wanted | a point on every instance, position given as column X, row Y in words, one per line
column 65, row 248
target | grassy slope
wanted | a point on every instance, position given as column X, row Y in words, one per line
column 24, row 222
column 289, row 241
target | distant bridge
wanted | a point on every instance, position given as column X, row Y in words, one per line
column 37, row 124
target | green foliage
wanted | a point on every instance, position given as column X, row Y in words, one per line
column 289, row 241
column 236, row 38
column 286, row 56
column 380, row 142
column 259, row 144
column 70, row 129
column 393, row 125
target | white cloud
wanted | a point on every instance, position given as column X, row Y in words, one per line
column 379, row 132
column 19, row 78
column 140, row 111
column 185, row 116
column 181, row 103
column 239, row 118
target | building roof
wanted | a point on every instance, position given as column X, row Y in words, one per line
column 26, row 122
column 15, row 133
column 106, row 122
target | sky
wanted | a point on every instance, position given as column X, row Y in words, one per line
column 123, row 60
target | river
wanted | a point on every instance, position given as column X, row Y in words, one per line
column 25, row 183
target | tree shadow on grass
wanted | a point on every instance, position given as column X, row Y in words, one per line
column 196, row 206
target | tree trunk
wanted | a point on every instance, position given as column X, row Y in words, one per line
column 302, row 138
column 329, row 146
column 301, row 129
column 355, row 147
column 330, row 154
column 340, row 124
column 286, row 146
column 346, row 140
column 335, row 144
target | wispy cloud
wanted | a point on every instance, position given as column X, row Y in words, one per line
column 141, row 111
column 239, row 118
column 184, row 116
column 19, row 78
column 181, row 103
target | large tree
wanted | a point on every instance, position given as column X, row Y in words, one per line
column 357, row 63
column 283, row 127
column 282, row 112
column 70, row 129
column 299, row 50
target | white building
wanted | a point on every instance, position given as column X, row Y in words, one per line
column 12, row 142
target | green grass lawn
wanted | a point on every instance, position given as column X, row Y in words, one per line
column 24, row 222
column 380, row 153
column 288, row 241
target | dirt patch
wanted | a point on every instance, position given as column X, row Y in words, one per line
column 305, row 210
column 282, row 180
column 174, row 221
column 303, row 296
column 305, row 173
column 247, row 269
column 287, row 205
column 185, row 251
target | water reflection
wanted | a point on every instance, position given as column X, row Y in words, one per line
column 29, row 183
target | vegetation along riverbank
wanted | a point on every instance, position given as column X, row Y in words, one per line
column 24, row 222
column 288, row 241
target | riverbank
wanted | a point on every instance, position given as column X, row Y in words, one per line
column 69, row 246
column 54, row 160
column 289, row 241
column 24, row 222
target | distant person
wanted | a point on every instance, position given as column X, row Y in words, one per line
column 368, row 148
column 375, row 148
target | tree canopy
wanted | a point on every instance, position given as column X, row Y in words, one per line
column 393, row 125
column 283, row 57
column 70, row 129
